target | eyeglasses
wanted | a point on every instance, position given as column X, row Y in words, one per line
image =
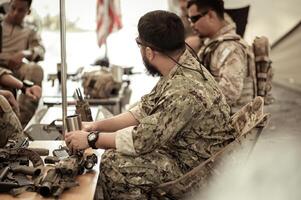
column 195, row 18
column 139, row 43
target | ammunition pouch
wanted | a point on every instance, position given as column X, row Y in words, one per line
column 264, row 72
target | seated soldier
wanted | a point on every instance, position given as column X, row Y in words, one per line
column 9, row 123
column 223, row 52
column 19, row 42
column 181, row 123
column 30, row 91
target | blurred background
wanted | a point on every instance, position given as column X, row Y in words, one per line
column 270, row 18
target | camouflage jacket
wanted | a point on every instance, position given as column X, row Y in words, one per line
column 184, row 117
column 226, row 56
column 9, row 123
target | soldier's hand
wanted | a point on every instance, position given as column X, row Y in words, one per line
column 77, row 140
column 11, row 99
column 34, row 92
column 15, row 61
column 88, row 126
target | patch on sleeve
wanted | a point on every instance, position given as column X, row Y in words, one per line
column 225, row 53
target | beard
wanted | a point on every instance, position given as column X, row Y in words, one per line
column 150, row 69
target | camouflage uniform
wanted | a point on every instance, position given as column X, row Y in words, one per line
column 229, row 59
column 9, row 123
column 182, row 122
column 19, row 38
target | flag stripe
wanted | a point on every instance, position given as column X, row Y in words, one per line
column 108, row 19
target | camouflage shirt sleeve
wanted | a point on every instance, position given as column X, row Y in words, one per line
column 124, row 141
column 162, row 125
column 36, row 46
column 228, row 66
column 137, row 112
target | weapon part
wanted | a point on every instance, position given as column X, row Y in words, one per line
column 82, row 107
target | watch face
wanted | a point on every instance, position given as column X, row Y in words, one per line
column 91, row 137
column 28, row 83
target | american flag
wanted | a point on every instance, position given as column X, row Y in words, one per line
column 108, row 19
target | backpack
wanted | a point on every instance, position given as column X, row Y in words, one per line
column 259, row 74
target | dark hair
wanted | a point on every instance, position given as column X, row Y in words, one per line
column 162, row 30
column 28, row 2
column 216, row 5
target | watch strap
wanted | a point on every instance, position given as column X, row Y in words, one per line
column 92, row 143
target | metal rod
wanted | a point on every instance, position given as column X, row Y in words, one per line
column 63, row 62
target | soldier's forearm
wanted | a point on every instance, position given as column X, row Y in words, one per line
column 106, row 141
column 116, row 123
column 10, row 81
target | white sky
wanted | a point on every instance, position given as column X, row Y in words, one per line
column 84, row 12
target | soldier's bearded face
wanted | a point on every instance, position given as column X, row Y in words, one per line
column 151, row 69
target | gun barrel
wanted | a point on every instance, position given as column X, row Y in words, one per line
column 4, row 173
column 79, row 94
column 47, row 183
column 7, row 186
column 26, row 170
column 51, row 160
column 45, row 189
column 40, row 151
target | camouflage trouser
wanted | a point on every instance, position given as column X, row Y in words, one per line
column 34, row 73
column 128, row 178
column 9, row 123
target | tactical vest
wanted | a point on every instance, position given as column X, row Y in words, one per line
column 250, row 81
column 258, row 81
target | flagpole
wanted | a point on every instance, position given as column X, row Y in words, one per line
column 106, row 48
column 63, row 62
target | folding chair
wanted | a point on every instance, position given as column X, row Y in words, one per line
column 248, row 122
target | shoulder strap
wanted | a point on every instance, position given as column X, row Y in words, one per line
column 206, row 57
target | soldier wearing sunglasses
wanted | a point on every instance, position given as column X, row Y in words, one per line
column 223, row 52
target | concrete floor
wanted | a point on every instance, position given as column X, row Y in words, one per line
column 272, row 172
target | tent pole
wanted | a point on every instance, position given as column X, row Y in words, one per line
column 63, row 62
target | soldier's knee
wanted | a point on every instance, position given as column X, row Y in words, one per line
column 37, row 74
column 9, row 123
column 33, row 72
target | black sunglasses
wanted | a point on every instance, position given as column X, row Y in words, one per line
column 195, row 18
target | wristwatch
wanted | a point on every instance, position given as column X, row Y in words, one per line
column 26, row 84
column 92, row 138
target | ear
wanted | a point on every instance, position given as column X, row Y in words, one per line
column 211, row 15
column 28, row 12
column 150, row 54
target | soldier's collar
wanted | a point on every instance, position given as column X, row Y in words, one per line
column 182, row 60
column 228, row 28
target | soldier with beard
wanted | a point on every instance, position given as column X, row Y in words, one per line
column 182, row 122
